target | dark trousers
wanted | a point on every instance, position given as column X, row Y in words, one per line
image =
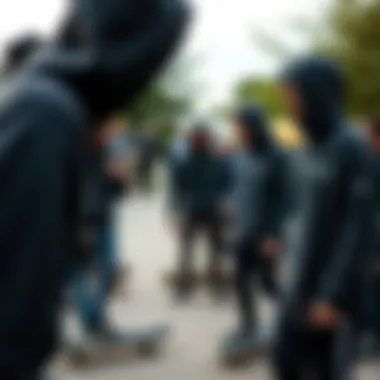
column 208, row 222
column 302, row 353
column 372, row 308
column 250, row 269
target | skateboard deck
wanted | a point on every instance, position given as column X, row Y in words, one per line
column 214, row 279
column 246, row 352
column 132, row 345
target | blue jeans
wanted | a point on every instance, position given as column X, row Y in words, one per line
column 93, row 284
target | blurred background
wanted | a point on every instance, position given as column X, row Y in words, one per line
column 235, row 49
column 233, row 54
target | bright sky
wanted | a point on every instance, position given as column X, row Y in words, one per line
column 221, row 39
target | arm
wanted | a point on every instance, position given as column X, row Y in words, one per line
column 347, row 262
column 278, row 190
column 176, row 185
column 225, row 184
column 109, row 50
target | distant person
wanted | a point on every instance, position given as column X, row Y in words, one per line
column 47, row 116
column 200, row 189
column 335, row 221
column 121, row 154
column 148, row 153
column 178, row 148
column 96, row 281
column 258, row 206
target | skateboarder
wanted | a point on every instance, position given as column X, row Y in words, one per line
column 200, row 188
column 46, row 114
column 335, row 228
column 259, row 203
column 96, row 280
column 148, row 148
column 372, row 300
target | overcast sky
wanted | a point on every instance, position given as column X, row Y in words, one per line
column 221, row 40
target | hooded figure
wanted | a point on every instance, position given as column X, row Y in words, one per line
column 107, row 52
column 200, row 185
column 372, row 299
column 259, row 207
column 335, row 219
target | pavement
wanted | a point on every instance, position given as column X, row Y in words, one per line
column 191, row 352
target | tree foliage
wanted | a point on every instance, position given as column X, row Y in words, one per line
column 353, row 38
column 262, row 90
column 164, row 102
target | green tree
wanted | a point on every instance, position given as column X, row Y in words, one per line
column 352, row 37
column 165, row 102
column 262, row 90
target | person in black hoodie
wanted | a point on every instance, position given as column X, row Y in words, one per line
column 148, row 153
column 372, row 299
column 200, row 186
column 259, row 204
column 100, row 60
column 335, row 211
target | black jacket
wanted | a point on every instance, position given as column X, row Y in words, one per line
column 260, row 191
column 335, row 195
column 45, row 118
column 200, row 182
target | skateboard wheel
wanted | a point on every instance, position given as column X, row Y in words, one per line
column 147, row 350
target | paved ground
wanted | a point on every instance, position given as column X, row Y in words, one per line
column 191, row 352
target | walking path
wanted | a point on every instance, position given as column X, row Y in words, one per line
column 147, row 243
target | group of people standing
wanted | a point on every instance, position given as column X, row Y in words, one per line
column 328, row 194
column 55, row 145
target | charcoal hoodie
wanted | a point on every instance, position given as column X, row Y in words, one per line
column 105, row 54
column 260, row 180
column 335, row 190
column 200, row 180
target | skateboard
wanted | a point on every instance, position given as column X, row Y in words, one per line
column 242, row 352
column 182, row 283
column 217, row 279
column 143, row 344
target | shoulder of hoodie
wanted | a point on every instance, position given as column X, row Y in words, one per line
column 278, row 156
column 354, row 145
column 43, row 99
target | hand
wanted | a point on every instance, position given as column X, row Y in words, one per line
column 324, row 316
column 271, row 248
column 87, row 238
column 113, row 171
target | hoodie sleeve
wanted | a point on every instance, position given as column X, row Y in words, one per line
column 176, row 185
column 347, row 263
column 108, row 51
column 278, row 196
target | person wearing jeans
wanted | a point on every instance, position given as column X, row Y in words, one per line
column 96, row 279
column 94, row 284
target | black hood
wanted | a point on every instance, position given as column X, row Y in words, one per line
column 200, row 131
column 321, row 86
column 254, row 118
column 108, row 50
